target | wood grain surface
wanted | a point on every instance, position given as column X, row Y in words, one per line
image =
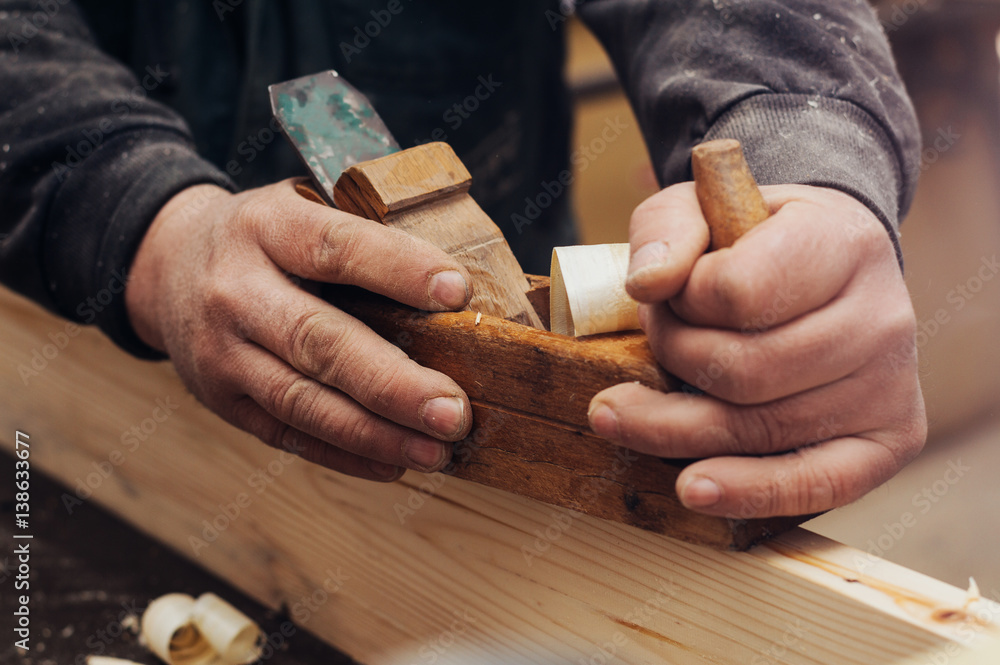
column 438, row 567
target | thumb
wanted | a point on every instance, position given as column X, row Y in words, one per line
column 328, row 245
column 667, row 235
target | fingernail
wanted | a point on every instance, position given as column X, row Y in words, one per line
column 384, row 471
column 604, row 422
column 444, row 415
column 426, row 454
column 701, row 493
column 448, row 289
column 646, row 262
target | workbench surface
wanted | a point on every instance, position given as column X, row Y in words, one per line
column 89, row 571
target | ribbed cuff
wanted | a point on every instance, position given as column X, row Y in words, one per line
column 806, row 140
column 107, row 203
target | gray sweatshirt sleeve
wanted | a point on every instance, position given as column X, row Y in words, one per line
column 86, row 161
column 809, row 87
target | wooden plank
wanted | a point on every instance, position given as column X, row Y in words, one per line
column 530, row 391
column 425, row 192
column 437, row 568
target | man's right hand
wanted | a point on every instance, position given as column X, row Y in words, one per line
column 210, row 286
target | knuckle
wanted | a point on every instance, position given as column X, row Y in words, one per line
column 310, row 339
column 221, row 295
column 273, row 432
column 337, row 254
column 772, row 495
column 813, row 487
column 895, row 336
column 283, row 437
column 760, row 430
column 821, row 488
column 293, row 401
column 798, row 489
column 908, row 435
column 387, row 382
column 359, row 434
column 372, row 372
column 872, row 235
column 900, row 321
column 341, row 363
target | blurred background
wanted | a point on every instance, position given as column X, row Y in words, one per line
column 941, row 516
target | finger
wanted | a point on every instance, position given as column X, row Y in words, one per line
column 335, row 349
column 808, row 480
column 251, row 417
column 829, row 344
column 324, row 244
column 686, row 425
column 667, row 234
column 328, row 415
column 793, row 263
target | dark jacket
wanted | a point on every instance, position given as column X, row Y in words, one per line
column 108, row 108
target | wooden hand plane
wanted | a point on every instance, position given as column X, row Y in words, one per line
column 530, row 389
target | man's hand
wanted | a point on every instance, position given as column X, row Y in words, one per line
column 801, row 337
column 213, row 285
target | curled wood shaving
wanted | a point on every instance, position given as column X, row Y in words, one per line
column 972, row 596
column 209, row 631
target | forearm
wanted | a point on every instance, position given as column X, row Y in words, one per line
column 88, row 159
column 808, row 87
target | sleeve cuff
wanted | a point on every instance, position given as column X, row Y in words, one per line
column 807, row 140
column 121, row 187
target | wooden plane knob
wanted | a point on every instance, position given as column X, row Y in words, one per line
column 728, row 194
